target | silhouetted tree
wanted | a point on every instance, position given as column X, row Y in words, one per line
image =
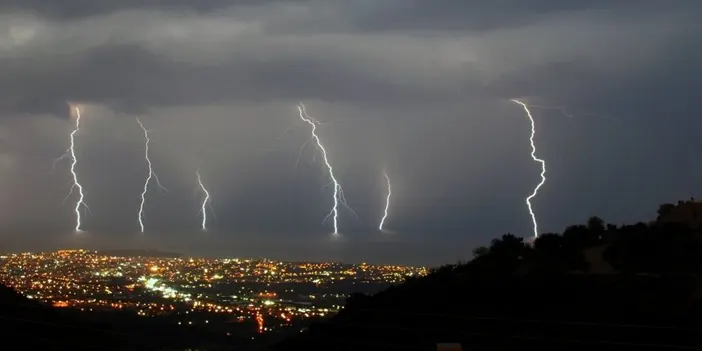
column 508, row 242
column 553, row 254
column 549, row 242
column 506, row 253
column 665, row 209
column 639, row 248
column 579, row 235
column 596, row 226
column 480, row 251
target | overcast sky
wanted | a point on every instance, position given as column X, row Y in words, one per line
column 420, row 88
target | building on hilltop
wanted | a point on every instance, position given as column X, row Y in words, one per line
column 685, row 212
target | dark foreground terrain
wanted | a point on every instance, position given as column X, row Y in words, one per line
column 594, row 287
column 31, row 326
column 577, row 312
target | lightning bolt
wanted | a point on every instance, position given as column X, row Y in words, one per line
column 66, row 154
column 71, row 152
column 299, row 153
column 150, row 176
column 387, row 201
column 338, row 196
column 559, row 108
column 205, row 201
column 536, row 159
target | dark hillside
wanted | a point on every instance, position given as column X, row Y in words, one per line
column 577, row 312
column 544, row 295
column 32, row 326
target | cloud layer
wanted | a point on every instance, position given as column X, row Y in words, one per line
column 422, row 87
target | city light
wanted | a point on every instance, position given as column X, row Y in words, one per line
column 159, row 286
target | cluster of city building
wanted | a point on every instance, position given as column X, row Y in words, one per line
column 194, row 290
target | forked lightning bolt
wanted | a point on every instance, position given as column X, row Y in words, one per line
column 387, row 201
column 71, row 152
column 338, row 191
column 150, row 176
column 205, row 201
column 559, row 108
column 536, row 159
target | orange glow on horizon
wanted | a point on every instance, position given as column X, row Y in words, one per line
column 60, row 304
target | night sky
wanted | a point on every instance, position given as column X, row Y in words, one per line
column 420, row 88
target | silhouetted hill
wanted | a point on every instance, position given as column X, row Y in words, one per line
column 32, row 326
column 543, row 295
column 574, row 312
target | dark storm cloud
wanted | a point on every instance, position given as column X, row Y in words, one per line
column 411, row 14
column 139, row 79
column 482, row 15
column 461, row 15
column 336, row 59
column 76, row 9
column 433, row 77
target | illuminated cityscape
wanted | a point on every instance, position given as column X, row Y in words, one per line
column 192, row 291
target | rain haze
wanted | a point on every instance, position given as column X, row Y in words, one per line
column 420, row 89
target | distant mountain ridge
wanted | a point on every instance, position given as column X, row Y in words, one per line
column 140, row 253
